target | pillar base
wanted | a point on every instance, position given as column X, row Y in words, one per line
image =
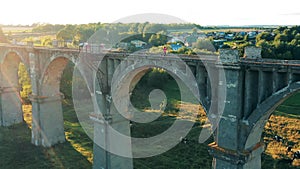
column 231, row 159
column 47, row 120
column 11, row 106
column 105, row 140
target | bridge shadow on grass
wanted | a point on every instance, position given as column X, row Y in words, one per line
column 16, row 151
column 190, row 155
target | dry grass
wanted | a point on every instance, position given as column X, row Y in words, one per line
column 289, row 129
column 27, row 109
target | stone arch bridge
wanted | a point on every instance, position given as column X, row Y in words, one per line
column 254, row 88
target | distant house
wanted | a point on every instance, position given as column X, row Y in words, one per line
column 229, row 36
column 242, row 33
column 176, row 39
column 220, row 35
column 122, row 45
column 252, row 34
column 138, row 43
column 219, row 43
column 175, row 47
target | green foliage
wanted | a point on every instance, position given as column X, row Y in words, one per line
column 46, row 41
column 25, row 83
column 184, row 50
column 265, row 36
column 67, row 33
column 47, row 28
column 204, row 44
column 156, row 76
column 66, row 81
column 158, row 39
column 282, row 43
column 154, row 28
column 241, row 48
column 108, row 31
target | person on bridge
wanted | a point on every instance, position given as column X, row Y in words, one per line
column 165, row 50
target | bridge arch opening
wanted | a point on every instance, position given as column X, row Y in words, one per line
column 163, row 79
column 143, row 85
column 277, row 127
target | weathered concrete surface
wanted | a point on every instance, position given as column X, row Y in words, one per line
column 229, row 56
column 252, row 52
column 10, row 91
column 51, row 124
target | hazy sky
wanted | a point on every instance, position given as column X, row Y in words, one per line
column 210, row 12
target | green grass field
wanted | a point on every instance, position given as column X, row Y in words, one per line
column 18, row 152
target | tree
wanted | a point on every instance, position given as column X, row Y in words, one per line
column 83, row 33
column 154, row 28
column 134, row 27
column 264, row 36
column 281, row 37
column 141, row 27
column 67, row 33
column 204, row 44
column 24, row 81
column 296, row 52
column 158, row 39
column 46, row 41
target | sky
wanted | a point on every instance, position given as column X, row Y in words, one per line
column 209, row 12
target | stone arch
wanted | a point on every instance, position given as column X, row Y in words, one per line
column 10, row 66
column 182, row 73
column 261, row 114
column 133, row 73
column 51, row 75
column 10, row 89
column 20, row 54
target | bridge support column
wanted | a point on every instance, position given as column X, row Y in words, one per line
column 106, row 141
column 11, row 106
column 228, row 149
column 48, row 124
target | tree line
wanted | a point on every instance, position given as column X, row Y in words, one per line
column 280, row 43
column 83, row 32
